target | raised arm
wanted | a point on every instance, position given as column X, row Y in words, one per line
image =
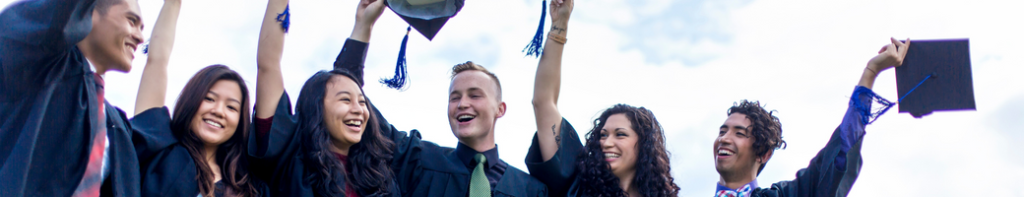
column 35, row 32
column 548, row 80
column 153, row 85
column 269, row 82
column 353, row 54
column 834, row 170
column 889, row 56
column 366, row 15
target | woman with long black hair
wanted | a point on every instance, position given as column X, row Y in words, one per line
column 332, row 145
column 625, row 152
column 200, row 149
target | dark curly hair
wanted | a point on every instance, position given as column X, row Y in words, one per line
column 230, row 155
column 765, row 127
column 370, row 174
column 652, row 165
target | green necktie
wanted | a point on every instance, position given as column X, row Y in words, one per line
column 478, row 184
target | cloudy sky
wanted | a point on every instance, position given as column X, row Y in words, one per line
column 687, row 60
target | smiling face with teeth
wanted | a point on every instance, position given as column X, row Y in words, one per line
column 735, row 158
column 345, row 112
column 217, row 117
column 618, row 142
column 474, row 105
column 115, row 36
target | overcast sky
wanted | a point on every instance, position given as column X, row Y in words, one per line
column 686, row 60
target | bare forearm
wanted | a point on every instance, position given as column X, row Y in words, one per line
column 361, row 32
column 269, row 81
column 867, row 79
column 153, row 85
column 547, row 86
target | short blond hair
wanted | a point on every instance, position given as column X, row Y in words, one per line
column 470, row 66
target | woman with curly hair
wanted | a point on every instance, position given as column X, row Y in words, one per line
column 624, row 153
column 332, row 145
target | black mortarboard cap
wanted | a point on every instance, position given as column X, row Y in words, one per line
column 427, row 17
column 935, row 76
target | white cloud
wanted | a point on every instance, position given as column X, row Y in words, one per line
column 688, row 61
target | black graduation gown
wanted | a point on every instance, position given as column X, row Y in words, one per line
column 821, row 177
column 824, row 176
column 167, row 167
column 280, row 160
column 48, row 104
column 425, row 169
column 559, row 173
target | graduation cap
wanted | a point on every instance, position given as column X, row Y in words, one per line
column 935, row 76
column 427, row 17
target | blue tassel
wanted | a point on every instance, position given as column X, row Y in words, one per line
column 284, row 18
column 399, row 81
column 534, row 48
column 145, row 49
column 867, row 115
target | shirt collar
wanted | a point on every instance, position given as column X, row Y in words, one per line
column 467, row 154
column 752, row 184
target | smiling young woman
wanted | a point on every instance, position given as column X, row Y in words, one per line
column 331, row 145
column 205, row 138
column 625, row 152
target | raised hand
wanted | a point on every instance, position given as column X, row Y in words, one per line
column 367, row 14
column 560, row 11
column 891, row 55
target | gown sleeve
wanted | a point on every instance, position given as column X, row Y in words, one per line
column 835, row 168
column 352, row 58
column 36, row 33
column 559, row 172
column 151, row 132
column 280, row 138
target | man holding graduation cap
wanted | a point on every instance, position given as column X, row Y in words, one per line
column 750, row 134
column 58, row 135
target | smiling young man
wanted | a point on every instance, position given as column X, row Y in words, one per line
column 473, row 167
column 750, row 135
column 58, row 135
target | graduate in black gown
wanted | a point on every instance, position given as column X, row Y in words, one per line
column 332, row 145
column 625, row 152
column 201, row 149
column 750, row 135
column 58, row 135
column 209, row 125
column 473, row 167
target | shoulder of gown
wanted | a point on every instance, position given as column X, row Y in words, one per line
column 559, row 172
column 821, row 177
column 517, row 183
column 170, row 172
column 151, row 132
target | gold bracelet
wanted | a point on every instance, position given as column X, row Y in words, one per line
column 557, row 38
